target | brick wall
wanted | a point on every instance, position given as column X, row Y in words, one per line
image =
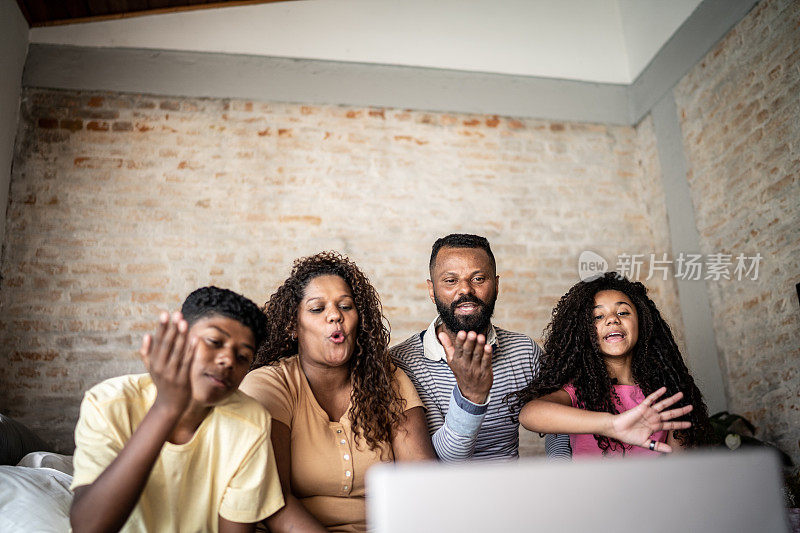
column 122, row 203
column 740, row 115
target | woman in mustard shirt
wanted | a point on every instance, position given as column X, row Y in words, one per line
column 338, row 403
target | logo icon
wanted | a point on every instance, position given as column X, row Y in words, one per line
column 591, row 265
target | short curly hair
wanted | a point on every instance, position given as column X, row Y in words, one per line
column 208, row 301
column 572, row 355
column 461, row 240
column 376, row 406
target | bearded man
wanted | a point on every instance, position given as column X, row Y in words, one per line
column 462, row 366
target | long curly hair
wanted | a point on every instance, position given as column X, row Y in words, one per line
column 572, row 355
column 376, row 405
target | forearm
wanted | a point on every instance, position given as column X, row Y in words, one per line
column 293, row 517
column 550, row 417
column 455, row 440
column 106, row 504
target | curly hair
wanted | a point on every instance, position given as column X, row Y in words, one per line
column 572, row 355
column 461, row 240
column 207, row 301
column 376, row 406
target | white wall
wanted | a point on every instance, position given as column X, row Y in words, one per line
column 569, row 39
column 647, row 25
column 13, row 48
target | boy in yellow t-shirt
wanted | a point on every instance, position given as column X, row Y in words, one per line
column 180, row 448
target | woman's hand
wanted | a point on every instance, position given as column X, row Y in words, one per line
column 636, row 426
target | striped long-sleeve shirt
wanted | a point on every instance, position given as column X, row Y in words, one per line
column 461, row 429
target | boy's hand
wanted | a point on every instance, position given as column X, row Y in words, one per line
column 168, row 357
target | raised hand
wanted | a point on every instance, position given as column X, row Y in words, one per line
column 635, row 426
column 470, row 359
column 168, row 358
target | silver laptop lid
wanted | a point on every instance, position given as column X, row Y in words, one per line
column 717, row 491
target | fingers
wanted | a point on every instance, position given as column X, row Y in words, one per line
column 676, row 425
column 470, row 347
column 663, row 404
column 486, row 358
column 473, row 346
column 188, row 360
column 165, row 351
column 449, row 349
column 176, row 351
column 144, row 350
column 650, row 400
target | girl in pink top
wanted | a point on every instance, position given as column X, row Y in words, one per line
column 609, row 360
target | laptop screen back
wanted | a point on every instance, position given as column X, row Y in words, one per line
column 702, row 491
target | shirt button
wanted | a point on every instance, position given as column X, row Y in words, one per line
column 342, row 441
column 347, row 457
column 348, row 473
column 338, row 431
column 345, row 487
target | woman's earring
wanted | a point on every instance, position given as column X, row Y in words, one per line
column 294, row 336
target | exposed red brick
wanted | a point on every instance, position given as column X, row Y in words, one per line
column 48, row 123
column 71, row 125
column 122, row 126
column 148, row 297
column 97, row 126
column 95, row 101
column 311, row 220
column 28, row 372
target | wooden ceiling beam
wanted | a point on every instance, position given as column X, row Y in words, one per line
column 40, row 13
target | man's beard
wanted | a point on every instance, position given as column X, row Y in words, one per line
column 477, row 322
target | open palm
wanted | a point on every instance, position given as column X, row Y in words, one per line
column 636, row 426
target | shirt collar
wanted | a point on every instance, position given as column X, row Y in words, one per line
column 435, row 351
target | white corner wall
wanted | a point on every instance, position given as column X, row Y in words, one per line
column 13, row 49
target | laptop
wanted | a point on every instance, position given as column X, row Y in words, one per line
column 704, row 491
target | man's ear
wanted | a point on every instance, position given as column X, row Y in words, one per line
column 497, row 285
column 430, row 291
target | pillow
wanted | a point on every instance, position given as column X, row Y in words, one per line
column 16, row 441
column 34, row 499
column 56, row 461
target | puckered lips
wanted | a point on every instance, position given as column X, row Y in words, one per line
column 220, row 381
column 337, row 337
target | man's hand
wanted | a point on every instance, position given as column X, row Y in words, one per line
column 470, row 359
column 636, row 426
column 168, row 357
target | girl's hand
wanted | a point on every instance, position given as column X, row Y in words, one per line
column 636, row 426
column 168, row 357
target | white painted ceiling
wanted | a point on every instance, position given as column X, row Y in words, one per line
column 608, row 41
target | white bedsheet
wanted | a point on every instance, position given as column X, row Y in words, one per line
column 36, row 499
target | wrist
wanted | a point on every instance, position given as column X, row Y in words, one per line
column 478, row 398
column 165, row 410
column 607, row 426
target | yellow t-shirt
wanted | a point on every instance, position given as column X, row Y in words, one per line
column 328, row 463
column 227, row 469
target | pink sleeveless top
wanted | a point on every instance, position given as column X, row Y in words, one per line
column 586, row 445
